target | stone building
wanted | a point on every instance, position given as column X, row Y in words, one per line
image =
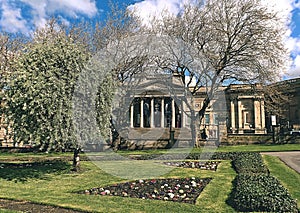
column 291, row 112
column 236, row 115
column 159, row 112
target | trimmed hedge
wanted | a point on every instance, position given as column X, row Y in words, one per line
column 261, row 193
column 256, row 190
column 191, row 156
column 251, row 162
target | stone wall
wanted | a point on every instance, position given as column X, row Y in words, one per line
column 245, row 139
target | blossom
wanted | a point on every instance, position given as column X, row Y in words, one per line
column 177, row 190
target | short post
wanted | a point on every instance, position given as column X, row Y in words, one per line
column 273, row 124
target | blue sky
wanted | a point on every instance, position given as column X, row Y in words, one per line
column 25, row 15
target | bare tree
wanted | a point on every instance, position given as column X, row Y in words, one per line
column 228, row 40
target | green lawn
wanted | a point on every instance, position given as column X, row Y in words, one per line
column 260, row 148
column 55, row 185
column 7, row 211
column 237, row 148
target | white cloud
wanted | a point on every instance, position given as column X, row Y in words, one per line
column 86, row 7
column 295, row 69
column 148, row 9
column 284, row 7
column 44, row 8
column 296, row 4
column 293, row 45
column 11, row 19
column 40, row 11
column 71, row 8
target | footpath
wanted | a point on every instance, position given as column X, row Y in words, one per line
column 291, row 159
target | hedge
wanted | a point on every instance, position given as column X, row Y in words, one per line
column 255, row 189
column 249, row 163
column 261, row 192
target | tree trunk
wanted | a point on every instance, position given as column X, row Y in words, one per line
column 193, row 127
column 76, row 160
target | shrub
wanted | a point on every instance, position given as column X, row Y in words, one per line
column 261, row 192
column 251, row 162
column 192, row 156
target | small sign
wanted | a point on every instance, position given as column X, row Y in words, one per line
column 273, row 120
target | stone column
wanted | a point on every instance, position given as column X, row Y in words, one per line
column 142, row 114
column 240, row 116
column 162, row 121
column 152, row 113
column 257, row 115
column 173, row 113
column 131, row 115
column 263, row 116
column 182, row 114
column 232, row 112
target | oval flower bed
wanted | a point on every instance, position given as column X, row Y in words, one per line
column 185, row 190
column 207, row 165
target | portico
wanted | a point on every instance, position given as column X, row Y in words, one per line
column 247, row 112
column 155, row 112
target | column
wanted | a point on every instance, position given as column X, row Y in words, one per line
column 152, row 113
column 257, row 115
column 263, row 116
column 173, row 113
column 182, row 114
column 162, row 121
column 142, row 114
column 131, row 115
column 232, row 112
column 240, row 116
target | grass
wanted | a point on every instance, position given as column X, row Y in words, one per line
column 237, row 148
column 7, row 211
column 260, row 148
column 55, row 187
column 289, row 178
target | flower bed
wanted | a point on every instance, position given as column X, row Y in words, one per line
column 185, row 190
column 205, row 165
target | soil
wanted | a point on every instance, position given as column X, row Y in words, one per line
column 185, row 190
column 29, row 207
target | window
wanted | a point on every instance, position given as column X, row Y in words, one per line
column 215, row 118
column 206, row 119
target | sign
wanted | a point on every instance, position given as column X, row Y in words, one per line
column 273, row 120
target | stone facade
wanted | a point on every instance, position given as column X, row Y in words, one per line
column 236, row 115
column 161, row 112
column 246, row 109
column 291, row 112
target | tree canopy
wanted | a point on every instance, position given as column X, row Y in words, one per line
column 41, row 88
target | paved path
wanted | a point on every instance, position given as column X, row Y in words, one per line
column 292, row 159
